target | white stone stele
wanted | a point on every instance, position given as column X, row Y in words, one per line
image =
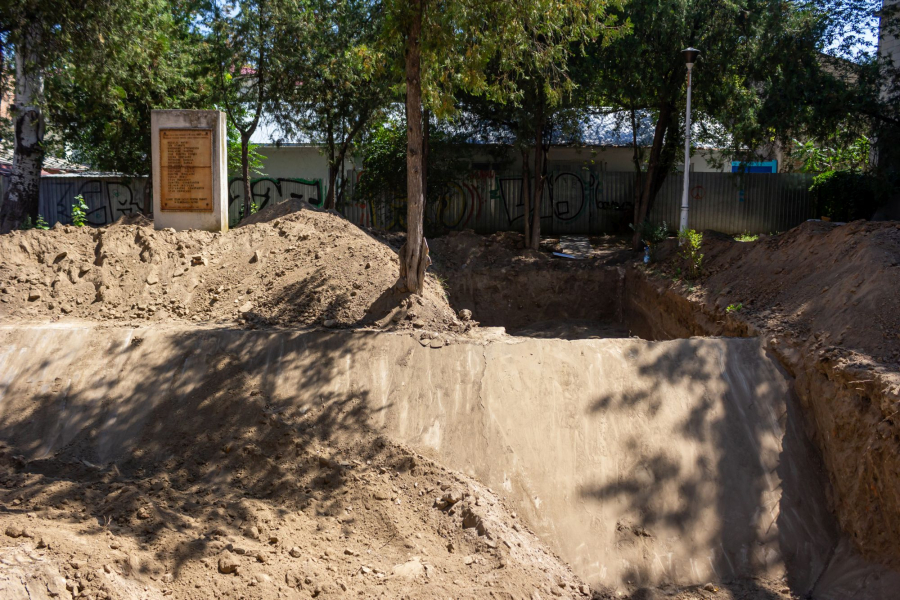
column 214, row 120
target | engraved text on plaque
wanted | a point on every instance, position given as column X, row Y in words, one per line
column 186, row 170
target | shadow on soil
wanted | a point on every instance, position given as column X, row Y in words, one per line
column 198, row 430
column 724, row 501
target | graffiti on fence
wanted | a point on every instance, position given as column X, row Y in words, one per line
column 268, row 190
column 107, row 199
column 487, row 200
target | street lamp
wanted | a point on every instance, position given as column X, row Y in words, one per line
column 690, row 57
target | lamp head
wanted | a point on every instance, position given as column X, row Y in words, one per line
column 690, row 55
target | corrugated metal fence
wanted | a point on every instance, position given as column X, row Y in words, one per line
column 580, row 201
column 576, row 201
column 107, row 198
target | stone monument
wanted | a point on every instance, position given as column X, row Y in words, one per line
column 190, row 169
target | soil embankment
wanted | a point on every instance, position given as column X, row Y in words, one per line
column 155, row 444
column 826, row 301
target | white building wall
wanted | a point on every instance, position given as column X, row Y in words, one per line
column 304, row 162
column 307, row 162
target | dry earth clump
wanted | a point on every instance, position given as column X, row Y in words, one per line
column 304, row 268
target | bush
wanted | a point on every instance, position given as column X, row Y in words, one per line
column 689, row 242
column 40, row 223
column 847, row 195
column 652, row 234
column 79, row 211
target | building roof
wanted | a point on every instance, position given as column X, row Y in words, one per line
column 53, row 166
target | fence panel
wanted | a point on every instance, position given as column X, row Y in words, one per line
column 107, row 198
column 575, row 201
column 735, row 203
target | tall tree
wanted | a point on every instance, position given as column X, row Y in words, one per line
column 759, row 78
column 48, row 36
column 341, row 82
column 248, row 45
column 100, row 110
column 448, row 46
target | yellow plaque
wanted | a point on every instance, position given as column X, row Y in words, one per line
column 185, row 160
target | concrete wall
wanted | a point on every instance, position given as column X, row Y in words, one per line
column 301, row 161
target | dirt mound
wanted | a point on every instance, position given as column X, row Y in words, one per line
column 838, row 284
column 277, row 210
column 229, row 497
column 306, row 268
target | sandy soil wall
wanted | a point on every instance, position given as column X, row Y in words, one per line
column 850, row 406
column 640, row 462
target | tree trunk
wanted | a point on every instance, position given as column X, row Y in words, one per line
column 636, row 158
column 426, row 120
column 414, row 253
column 654, row 177
column 245, row 172
column 332, row 180
column 22, row 196
column 539, row 176
column 332, row 170
column 526, row 194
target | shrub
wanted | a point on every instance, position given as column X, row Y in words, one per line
column 689, row 242
column 653, row 234
column 40, row 223
column 79, row 212
column 847, row 195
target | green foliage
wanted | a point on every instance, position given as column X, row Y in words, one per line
column 847, row 195
column 818, row 156
column 39, row 223
column 652, row 234
column 347, row 81
column 79, row 211
column 119, row 64
column 752, row 83
column 255, row 158
column 746, row 237
column 689, row 252
column 462, row 43
column 734, row 307
column 383, row 178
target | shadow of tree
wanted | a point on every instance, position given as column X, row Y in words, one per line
column 711, row 481
column 208, row 417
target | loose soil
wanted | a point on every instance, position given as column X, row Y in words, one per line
column 303, row 268
column 228, row 499
column 839, row 284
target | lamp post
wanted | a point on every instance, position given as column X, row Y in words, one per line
column 690, row 57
